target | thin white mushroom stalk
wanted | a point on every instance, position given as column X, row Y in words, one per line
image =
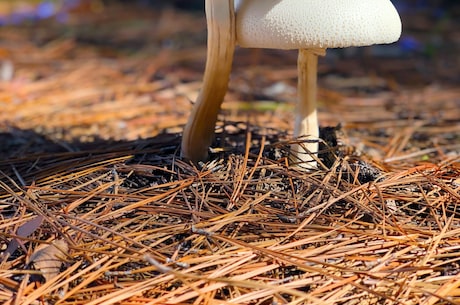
column 199, row 130
column 306, row 120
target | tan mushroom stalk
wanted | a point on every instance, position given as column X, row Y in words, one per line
column 199, row 130
column 310, row 26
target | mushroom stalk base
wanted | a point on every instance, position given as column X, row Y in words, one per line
column 199, row 130
column 306, row 121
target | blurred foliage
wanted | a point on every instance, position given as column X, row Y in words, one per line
column 438, row 7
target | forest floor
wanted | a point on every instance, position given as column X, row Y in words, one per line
column 98, row 208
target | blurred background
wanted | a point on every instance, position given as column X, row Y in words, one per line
column 430, row 27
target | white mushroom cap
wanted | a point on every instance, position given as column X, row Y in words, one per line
column 301, row 24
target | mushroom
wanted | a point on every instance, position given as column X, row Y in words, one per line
column 199, row 130
column 310, row 26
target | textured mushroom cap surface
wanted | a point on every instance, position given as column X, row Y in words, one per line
column 296, row 24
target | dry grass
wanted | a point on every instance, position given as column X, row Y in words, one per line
column 145, row 228
column 122, row 220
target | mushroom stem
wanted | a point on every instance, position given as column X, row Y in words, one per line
column 199, row 130
column 306, row 121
